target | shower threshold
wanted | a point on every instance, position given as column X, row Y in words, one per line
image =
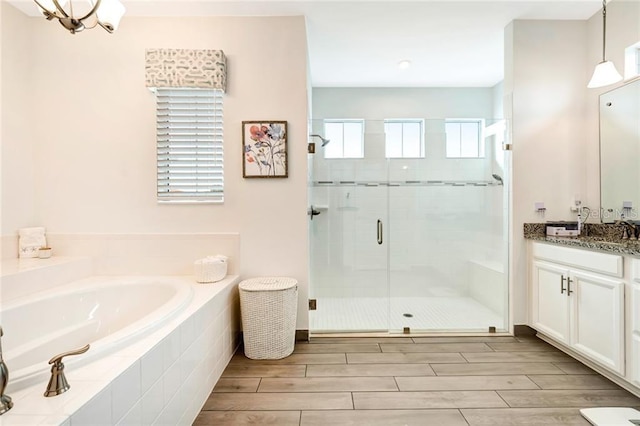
column 370, row 316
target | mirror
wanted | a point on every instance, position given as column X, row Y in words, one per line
column 620, row 153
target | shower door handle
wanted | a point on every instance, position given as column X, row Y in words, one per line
column 313, row 212
column 379, row 231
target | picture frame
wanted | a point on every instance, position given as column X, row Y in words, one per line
column 264, row 149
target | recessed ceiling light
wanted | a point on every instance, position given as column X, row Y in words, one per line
column 404, row 64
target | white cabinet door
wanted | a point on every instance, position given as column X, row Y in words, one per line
column 634, row 362
column 550, row 302
column 598, row 318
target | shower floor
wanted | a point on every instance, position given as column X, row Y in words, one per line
column 377, row 314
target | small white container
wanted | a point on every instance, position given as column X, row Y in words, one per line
column 30, row 240
column 210, row 269
column 44, row 252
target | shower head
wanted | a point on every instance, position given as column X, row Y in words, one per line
column 324, row 140
column 498, row 178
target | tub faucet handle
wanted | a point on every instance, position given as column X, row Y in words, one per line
column 5, row 400
column 58, row 382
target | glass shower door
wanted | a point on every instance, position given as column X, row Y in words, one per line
column 349, row 260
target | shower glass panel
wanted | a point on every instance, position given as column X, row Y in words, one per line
column 417, row 243
column 349, row 256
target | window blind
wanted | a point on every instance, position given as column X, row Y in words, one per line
column 190, row 145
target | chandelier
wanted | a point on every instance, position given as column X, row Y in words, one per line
column 106, row 13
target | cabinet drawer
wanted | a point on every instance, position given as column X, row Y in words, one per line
column 604, row 263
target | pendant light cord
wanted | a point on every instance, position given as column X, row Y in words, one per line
column 604, row 30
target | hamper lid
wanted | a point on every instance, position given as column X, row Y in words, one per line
column 267, row 283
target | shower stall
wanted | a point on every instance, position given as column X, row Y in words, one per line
column 408, row 244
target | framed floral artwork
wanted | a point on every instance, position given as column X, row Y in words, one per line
column 264, row 149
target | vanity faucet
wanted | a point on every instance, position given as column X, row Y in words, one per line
column 630, row 230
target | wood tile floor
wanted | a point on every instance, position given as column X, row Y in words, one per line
column 411, row 381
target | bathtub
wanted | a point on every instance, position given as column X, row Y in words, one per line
column 158, row 346
column 106, row 312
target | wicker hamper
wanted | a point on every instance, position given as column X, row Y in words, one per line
column 268, row 306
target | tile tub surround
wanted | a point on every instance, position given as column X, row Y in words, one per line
column 449, row 381
column 164, row 378
column 148, row 254
column 603, row 237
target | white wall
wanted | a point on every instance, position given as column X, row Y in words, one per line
column 554, row 119
column 381, row 103
column 623, row 30
column 497, row 95
column 545, row 82
column 94, row 138
column 1, row 135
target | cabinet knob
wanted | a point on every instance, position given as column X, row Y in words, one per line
column 562, row 289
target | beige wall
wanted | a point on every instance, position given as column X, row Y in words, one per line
column 17, row 123
column 94, row 135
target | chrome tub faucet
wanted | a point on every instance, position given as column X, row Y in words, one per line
column 5, row 400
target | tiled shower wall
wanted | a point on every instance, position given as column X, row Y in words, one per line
column 434, row 234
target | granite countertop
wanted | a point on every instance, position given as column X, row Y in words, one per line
column 601, row 237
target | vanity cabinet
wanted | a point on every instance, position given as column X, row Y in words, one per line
column 598, row 318
column 582, row 309
column 550, row 304
column 634, row 315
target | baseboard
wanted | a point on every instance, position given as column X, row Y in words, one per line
column 521, row 330
column 620, row 381
column 302, row 335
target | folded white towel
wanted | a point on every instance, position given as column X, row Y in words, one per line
column 30, row 241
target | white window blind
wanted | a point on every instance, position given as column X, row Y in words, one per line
column 190, row 145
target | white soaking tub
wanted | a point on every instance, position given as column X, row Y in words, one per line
column 158, row 344
column 106, row 312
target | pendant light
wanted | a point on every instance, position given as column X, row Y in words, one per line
column 605, row 72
